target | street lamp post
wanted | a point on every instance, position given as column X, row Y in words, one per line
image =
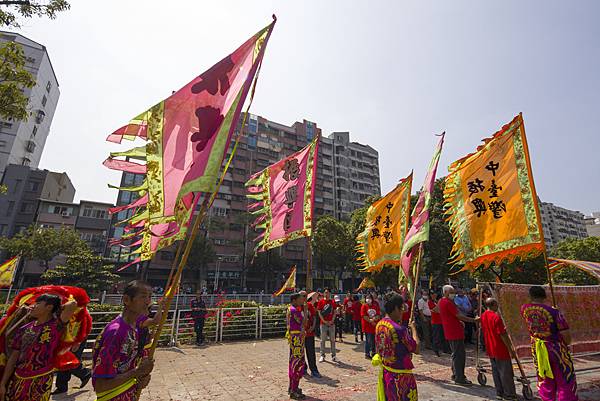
column 219, row 259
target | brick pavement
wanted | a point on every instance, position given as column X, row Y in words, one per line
column 257, row 371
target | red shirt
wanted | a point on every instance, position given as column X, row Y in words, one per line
column 356, row 307
column 320, row 307
column 348, row 303
column 312, row 312
column 492, row 326
column 435, row 316
column 369, row 328
column 406, row 314
column 454, row 329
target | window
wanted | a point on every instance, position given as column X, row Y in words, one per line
column 62, row 210
column 33, row 186
column 99, row 214
column 17, row 186
column 48, row 86
column 4, row 124
column 219, row 211
column 219, row 241
column 44, row 100
column 27, row 207
column 34, row 132
column 166, row 255
column 25, row 161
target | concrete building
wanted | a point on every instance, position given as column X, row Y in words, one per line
column 228, row 224
column 356, row 174
column 26, row 186
column 22, row 142
column 592, row 224
column 93, row 224
column 560, row 223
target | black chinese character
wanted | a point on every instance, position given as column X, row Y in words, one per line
column 389, row 206
column 491, row 166
column 287, row 221
column 475, row 186
column 291, row 170
column 493, row 189
column 479, row 206
column 290, row 196
column 375, row 233
column 388, row 236
column 497, row 207
column 377, row 220
column 387, row 222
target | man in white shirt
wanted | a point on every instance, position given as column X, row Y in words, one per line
column 425, row 315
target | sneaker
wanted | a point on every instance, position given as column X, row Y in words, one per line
column 316, row 375
column 368, row 357
column 333, row 358
column 322, row 358
column 437, row 353
column 464, row 382
column 297, row 396
column 499, row 397
column 356, row 340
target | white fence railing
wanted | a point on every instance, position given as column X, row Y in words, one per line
column 211, row 300
column 220, row 324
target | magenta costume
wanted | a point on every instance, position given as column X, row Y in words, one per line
column 36, row 345
column 545, row 324
column 296, row 341
column 119, row 349
column 394, row 346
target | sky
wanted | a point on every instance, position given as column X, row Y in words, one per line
column 393, row 73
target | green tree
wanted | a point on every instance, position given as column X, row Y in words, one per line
column 3, row 189
column 85, row 270
column 10, row 10
column 201, row 254
column 271, row 264
column 44, row 244
column 587, row 249
column 334, row 245
column 14, row 78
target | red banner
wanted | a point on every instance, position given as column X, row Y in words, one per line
column 580, row 305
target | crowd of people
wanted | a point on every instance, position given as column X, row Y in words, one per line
column 121, row 366
column 444, row 325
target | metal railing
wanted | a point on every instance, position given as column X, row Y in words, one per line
column 220, row 324
column 211, row 300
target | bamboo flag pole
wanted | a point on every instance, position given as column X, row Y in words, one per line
column 309, row 282
column 415, row 279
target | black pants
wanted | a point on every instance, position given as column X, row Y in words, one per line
column 469, row 329
column 458, row 360
column 370, row 345
column 439, row 343
column 81, row 372
column 358, row 329
column 339, row 327
column 502, row 372
column 348, row 323
column 199, row 328
column 311, row 359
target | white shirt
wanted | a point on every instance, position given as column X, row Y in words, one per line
column 424, row 307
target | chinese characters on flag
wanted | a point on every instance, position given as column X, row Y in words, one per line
column 491, row 202
column 284, row 194
column 386, row 225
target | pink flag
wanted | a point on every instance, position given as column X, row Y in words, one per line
column 285, row 194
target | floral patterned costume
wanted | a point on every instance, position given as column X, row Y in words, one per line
column 394, row 346
column 553, row 362
column 296, row 341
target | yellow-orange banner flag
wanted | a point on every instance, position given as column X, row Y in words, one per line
column 7, row 272
column 366, row 283
column 491, row 202
column 290, row 283
column 386, row 226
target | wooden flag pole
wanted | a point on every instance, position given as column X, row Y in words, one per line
column 309, row 282
column 415, row 280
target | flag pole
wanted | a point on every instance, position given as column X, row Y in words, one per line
column 537, row 210
column 309, row 283
column 415, row 280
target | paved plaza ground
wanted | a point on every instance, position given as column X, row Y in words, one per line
column 257, row 371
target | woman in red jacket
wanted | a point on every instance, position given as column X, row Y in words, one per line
column 370, row 315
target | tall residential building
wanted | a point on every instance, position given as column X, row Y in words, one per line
column 228, row 224
column 22, row 142
column 356, row 174
column 26, row 186
column 560, row 223
column 592, row 224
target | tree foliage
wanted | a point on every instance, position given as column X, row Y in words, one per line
column 84, row 270
column 10, row 10
column 334, row 245
column 14, row 79
column 201, row 254
column 44, row 244
column 587, row 249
